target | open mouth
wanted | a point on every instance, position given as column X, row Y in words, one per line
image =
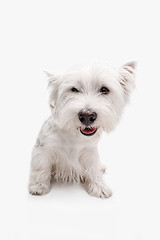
column 88, row 131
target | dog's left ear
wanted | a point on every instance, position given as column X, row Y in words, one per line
column 127, row 78
column 48, row 74
column 53, row 86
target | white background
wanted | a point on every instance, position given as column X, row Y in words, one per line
column 55, row 35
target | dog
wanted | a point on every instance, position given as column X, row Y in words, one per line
column 84, row 101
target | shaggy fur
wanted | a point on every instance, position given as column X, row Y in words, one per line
column 66, row 149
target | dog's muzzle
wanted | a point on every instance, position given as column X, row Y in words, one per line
column 87, row 117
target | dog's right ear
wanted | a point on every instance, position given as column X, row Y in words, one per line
column 127, row 78
column 53, row 86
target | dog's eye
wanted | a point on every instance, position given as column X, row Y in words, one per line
column 74, row 90
column 104, row 90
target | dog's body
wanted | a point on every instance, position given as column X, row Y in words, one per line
column 84, row 102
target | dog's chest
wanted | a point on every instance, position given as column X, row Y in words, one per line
column 68, row 167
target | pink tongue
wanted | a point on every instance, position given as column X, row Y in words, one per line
column 88, row 130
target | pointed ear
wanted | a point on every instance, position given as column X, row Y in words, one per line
column 53, row 86
column 127, row 78
column 50, row 76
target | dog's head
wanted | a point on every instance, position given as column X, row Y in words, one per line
column 90, row 98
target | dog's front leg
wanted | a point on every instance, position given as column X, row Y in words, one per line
column 97, row 188
column 40, row 174
column 94, row 183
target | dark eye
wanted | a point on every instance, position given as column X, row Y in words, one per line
column 74, row 90
column 104, row 90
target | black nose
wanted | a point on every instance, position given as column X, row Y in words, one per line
column 87, row 118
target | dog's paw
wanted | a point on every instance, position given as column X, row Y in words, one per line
column 99, row 190
column 39, row 188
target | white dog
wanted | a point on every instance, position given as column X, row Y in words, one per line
column 84, row 101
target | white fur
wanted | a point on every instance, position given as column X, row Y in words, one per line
column 61, row 150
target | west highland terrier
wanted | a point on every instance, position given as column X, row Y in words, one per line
column 84, row 102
